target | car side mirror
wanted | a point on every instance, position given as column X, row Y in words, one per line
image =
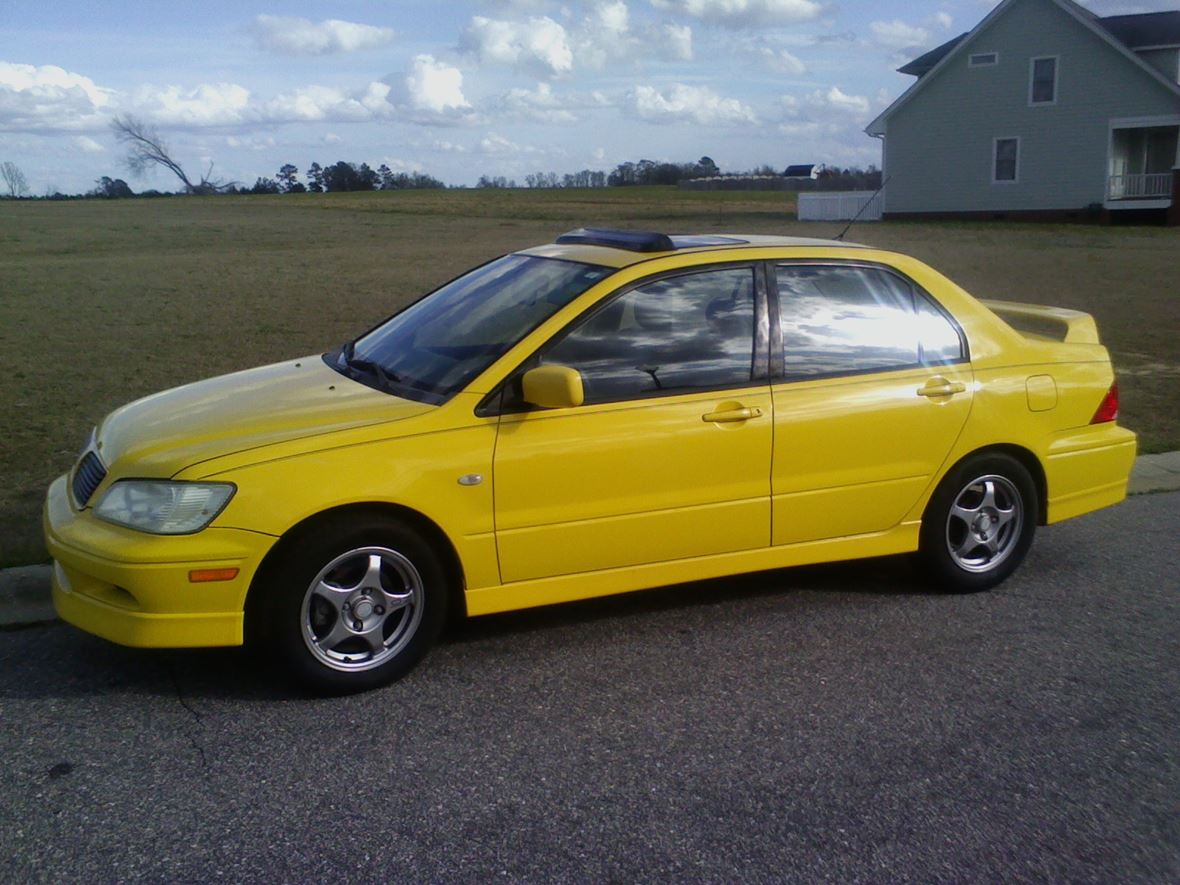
column 553, row 387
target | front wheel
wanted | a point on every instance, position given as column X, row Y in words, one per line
column 354, row 608
column 979, row 524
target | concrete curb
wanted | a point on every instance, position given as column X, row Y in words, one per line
column 24, row 596
column 24, row 591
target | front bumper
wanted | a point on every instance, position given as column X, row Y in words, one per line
column 134, row 589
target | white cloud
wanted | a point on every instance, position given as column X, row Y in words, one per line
column 332, row 138
column 540, row 43
column 678, row 42
column 435, row 87
column 683, row 103
column 397, row 164
column 605, row 34
column 782, row 61
column 898, row 35
column 835, row 99
column 612, row 17
column 208, row 104
column 498, row 144
column 254, row 143
column 49, row 97
column 539, row 104
column 88, row 145
column 312, row 103
column 740, row 13
column 606, row 37
column 301, row 36
column 943, row 20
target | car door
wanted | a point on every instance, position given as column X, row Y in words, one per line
column 669, row 455
column 874, row 388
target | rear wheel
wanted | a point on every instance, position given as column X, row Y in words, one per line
column 354, row 607
column 979, row 524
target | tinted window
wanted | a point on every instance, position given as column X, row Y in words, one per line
column 676, row 334
column 437, row 345
column 840, row 320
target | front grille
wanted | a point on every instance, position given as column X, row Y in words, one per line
column 87, row 475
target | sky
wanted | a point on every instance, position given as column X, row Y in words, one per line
column 462, row 89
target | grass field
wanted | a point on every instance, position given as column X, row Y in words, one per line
column 103, row 302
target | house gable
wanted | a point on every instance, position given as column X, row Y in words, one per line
column 945, row 136
column 959, row 48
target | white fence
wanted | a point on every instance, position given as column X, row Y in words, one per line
column 1137, row 187
column 839, row 206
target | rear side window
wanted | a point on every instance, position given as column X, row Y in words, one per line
column 843, row 319
column 688, row 332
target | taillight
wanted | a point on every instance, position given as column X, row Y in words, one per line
column 1109, row 410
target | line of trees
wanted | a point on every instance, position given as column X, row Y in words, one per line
column 146, row 149
column 341, row 176
column 652, row 172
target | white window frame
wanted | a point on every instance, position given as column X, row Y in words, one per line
column 1032, row 68
column 996, row 156
column 976, row 59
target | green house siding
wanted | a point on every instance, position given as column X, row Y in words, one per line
column 939, row 144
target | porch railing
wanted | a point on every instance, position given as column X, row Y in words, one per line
column 1139, row 187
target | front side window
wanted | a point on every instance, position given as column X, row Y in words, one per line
column 1006, row 160
column 839, row 320
column 1043, row 88
column 436, row 346
column 678, row 334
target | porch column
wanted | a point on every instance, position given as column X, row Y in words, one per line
column 1174, row 209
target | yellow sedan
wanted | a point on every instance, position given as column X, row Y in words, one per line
column 613, row 411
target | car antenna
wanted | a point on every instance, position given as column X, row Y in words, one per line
column 868, row 202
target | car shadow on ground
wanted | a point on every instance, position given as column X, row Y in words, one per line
column 884, row 576
column 56, row 660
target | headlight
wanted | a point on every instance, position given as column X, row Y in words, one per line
column 164, row 508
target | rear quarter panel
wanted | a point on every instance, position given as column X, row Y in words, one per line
column 1038, row 396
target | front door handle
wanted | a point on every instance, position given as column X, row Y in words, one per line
column 941, row 387
column 731, row 415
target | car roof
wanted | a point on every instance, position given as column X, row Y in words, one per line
column 619, row 248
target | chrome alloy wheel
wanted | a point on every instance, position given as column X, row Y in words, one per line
column 985, row 523
column 362, row 609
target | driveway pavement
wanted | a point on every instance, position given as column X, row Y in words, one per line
column 824, row 724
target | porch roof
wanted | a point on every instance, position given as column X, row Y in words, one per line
column 1145, row 30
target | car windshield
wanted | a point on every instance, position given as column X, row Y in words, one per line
column 437, row 345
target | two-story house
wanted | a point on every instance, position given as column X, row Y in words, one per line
column 1042, row 110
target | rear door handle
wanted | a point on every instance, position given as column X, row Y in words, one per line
column 731, row 415
column 941, row 387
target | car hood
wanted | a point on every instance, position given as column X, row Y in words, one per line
column 162, row 434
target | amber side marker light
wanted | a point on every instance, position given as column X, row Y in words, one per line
column 205, row 575
column 1109, row 410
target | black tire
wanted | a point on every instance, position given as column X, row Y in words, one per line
column 979, row 524
column 351, row 605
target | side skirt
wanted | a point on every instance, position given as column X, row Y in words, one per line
column 568, row 588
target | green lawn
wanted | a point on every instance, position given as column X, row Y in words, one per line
column 102, row 302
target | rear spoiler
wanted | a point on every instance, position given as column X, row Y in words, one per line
column 1037, row 320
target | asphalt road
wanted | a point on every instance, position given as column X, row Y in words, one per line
column 835, row 723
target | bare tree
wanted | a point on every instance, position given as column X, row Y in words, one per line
column 145, row 148
column 14, row 179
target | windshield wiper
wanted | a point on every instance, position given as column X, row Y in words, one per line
column 386, row 378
